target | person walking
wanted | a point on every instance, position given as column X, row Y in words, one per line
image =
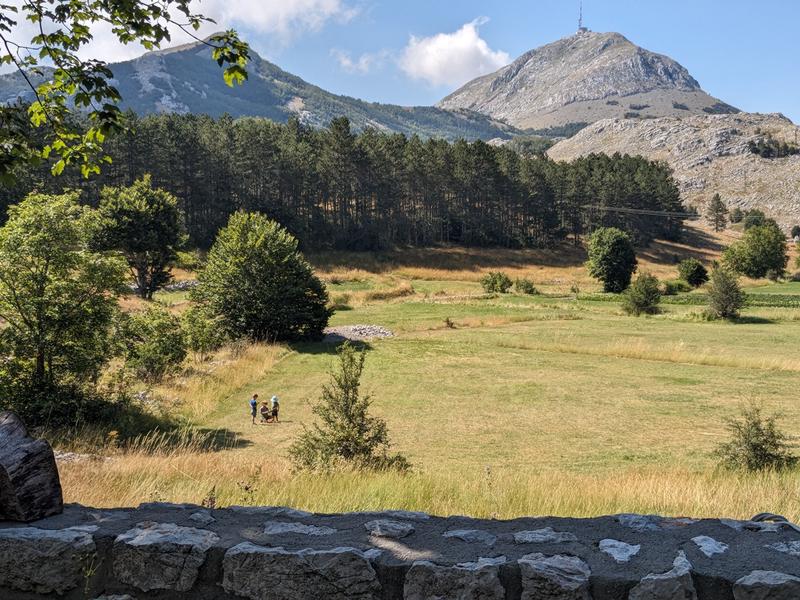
column 254, row 407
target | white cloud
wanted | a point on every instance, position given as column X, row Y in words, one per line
column 363, row 64
column 452, row 58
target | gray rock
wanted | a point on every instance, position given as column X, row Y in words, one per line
column 557, row 577
column 767, row 585
column 411, row 515
column 642, row 523
column 29, row 485
column 675, row 584
column 472, row 536
column 44, row 561
column 709, row 546
column 270, row 511
column 116, row 597
column 280, row 528
column 257, row 573
column 161, row 556
column 389, row 528
column 792, row 548
column 760, row 527
column 544, row 536
column 619, row 551
column 467, row 581
column 202, row 517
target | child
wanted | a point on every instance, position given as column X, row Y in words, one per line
column 275, row 408
column 254, row 407
column 266, row 413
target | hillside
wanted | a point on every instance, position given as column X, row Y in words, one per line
column 709, row 154
column 184, row 79
column 582, row 79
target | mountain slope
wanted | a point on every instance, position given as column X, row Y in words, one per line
column 582, row 79
column 185, row 79
column 709, row 154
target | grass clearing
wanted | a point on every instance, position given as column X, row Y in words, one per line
column 521, row 405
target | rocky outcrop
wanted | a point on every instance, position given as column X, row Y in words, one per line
column 29, row 483
column 584, row 78
column 186, row 552
column 709, row 154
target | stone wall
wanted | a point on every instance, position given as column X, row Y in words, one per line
column 185, row 552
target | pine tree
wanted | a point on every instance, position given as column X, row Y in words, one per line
column 717, row 213
column 346, row 435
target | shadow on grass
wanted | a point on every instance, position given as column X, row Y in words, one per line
column 752, row 320
column 329, row 345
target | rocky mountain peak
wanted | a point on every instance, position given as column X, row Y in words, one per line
column 585, row 77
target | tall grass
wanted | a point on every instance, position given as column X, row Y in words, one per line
column 205, row 385
column 236, row 479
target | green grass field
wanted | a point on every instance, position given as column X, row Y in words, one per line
column 528, row 405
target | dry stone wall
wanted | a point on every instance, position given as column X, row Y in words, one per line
column 165, row 551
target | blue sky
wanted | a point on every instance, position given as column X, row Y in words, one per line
column 741, row 51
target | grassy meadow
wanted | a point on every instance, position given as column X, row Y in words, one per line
column 506, row 406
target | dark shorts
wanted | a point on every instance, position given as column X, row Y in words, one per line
column 253, row 411
column 274, row 412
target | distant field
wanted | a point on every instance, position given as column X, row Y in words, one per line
column 529, row 405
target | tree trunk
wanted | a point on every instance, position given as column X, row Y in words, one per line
column 29, row 485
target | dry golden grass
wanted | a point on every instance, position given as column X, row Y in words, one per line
column 206, row 385
column 183, row 477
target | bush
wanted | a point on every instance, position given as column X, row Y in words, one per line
column 674, row 287
column 693, row 272
column 756, row 443
column 203, row 332
column 612, row 259
column 643, row 296
column 525, row 286
column 725, row 297
column 346, row 436
column 761, row 251
column 259, row 285
column 736, row 216
column 795, row 231
column 754, row 218
column 154, row 343
column 496, row 282
column 190, row 260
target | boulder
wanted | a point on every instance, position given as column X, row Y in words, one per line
column 767, row 585
column 29, row 484
column 258, row 572
column 544, row 536
column 389, row 528
column 45, row 561
column 472, row 536
column 161, row 556
column 559, row 577
column 428, row 581
column 675, row 584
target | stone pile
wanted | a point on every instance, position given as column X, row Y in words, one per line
column 165, row 551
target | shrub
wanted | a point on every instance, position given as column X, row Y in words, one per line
column 190, row 260
column 754, row 218
column 795, row 231
column 736, row 216
column 154, row 343
column 203, row 332
column 679, row 106
column 643, row 296
column 757, row 444
column 761, row 251
column 346, row 435
column 693, row 272
column 259, row 285
column 725, row 297
column 612, row 259
column 676, row 286
column 525, row 286
column 496, row 282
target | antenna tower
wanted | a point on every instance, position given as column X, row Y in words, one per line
column 581, row 28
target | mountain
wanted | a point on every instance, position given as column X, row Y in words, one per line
column 709, row 154
column 582, row 79
column 184, row 79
